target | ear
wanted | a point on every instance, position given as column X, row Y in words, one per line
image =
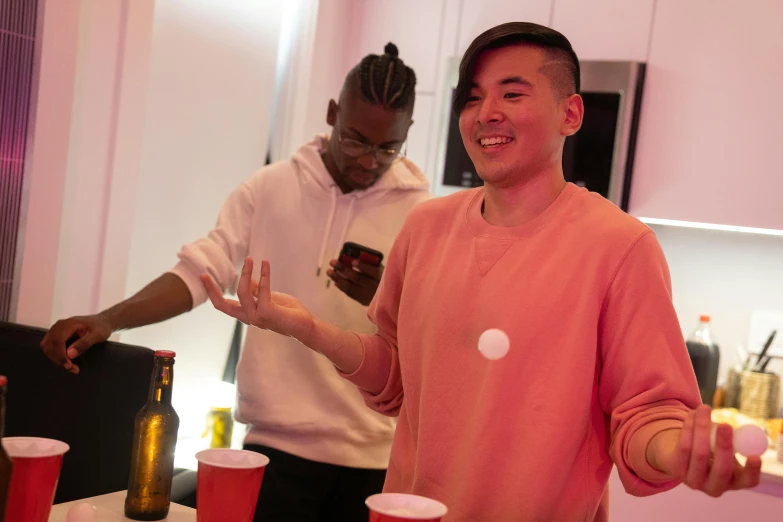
column 574, row 112
column 331, row 113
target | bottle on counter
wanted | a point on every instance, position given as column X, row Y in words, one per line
column 705, row 358
column 154, row 441
column 5, row 460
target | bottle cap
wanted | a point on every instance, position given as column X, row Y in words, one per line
column 165, row 353
column 704, row 318
column 3, row 380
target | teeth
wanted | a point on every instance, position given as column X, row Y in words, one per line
column 485, row 142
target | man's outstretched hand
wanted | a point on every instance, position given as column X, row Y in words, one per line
column 259, row 306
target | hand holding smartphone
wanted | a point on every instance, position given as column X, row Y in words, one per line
column 361, row 282
column 355, row 252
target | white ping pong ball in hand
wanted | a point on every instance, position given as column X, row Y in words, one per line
column 493, row 344
column 748, row 440
column 83, row 512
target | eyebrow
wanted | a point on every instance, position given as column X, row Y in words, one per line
column 515, row 80
column 511, row 80
column 356, row 133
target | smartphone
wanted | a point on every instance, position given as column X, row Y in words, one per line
column 353, row 251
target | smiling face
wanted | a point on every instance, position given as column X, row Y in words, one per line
column 515, row 120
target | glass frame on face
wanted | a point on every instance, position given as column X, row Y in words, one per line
column 356, row 149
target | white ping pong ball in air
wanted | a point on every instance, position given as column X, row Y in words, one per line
column 493, row 344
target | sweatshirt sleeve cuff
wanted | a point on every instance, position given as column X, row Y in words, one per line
column 375, row 367
column 636, row 455
column 197, row 291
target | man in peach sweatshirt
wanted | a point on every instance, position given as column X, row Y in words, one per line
column 597, row 373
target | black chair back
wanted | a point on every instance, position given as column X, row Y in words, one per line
column 93, row 412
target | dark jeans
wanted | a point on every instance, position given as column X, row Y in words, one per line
column 301, row 490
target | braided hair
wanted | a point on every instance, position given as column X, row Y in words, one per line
column 386, row 80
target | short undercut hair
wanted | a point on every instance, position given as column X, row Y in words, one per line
column 562, row 66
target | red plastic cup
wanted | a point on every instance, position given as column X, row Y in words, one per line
column 36, row 470
column 228, row 484
column 400, row 507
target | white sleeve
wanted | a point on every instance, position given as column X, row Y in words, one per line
column 223, row 250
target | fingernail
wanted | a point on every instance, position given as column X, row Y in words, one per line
column 71, row 353
column 68, row 366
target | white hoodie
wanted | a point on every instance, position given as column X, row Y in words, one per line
column 293, row 214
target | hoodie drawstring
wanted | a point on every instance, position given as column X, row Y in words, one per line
column 327, row 229
column 347, row 222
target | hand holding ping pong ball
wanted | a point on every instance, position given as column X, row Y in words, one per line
column 749, row 440
column 493, row 344
column 82, row 512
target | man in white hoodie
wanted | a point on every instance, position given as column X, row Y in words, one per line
column 327, row 450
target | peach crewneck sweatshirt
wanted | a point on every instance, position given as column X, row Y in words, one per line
column 597, row 363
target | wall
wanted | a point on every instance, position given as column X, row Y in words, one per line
column 207, row 117
column 313, row 59
column 148, row 115
column 48, row 156
column 725, row 275
column 84, row 157
column 18, row 40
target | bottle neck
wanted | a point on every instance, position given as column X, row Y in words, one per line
column 703, row 333
column 162, row 382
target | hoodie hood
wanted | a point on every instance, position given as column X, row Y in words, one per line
column 402, row 175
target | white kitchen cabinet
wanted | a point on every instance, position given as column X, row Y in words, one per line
column 605, row 29
column 479, row 15
column 711, row 124
column 413, row 25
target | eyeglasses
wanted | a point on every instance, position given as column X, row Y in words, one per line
column 357, row 149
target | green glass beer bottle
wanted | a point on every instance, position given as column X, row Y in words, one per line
column 154, row 440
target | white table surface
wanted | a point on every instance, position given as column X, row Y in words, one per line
column 111, row 508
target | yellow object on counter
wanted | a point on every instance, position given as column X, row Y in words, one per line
column 735, row 419
column 774, row 428
column 220, row 427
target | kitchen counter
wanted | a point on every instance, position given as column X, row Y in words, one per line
column 771, row 474
column 682, row 504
